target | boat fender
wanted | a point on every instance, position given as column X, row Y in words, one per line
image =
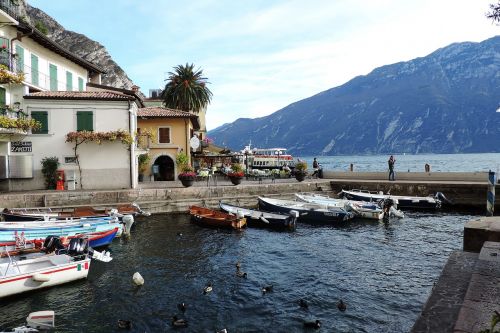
column 39, row 277
column 294, row 213
column 138, row 279
column 240, row 214
column 128, row 221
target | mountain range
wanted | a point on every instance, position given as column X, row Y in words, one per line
column 445, row 102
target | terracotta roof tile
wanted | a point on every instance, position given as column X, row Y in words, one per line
column 92, row 95
column 157, row 111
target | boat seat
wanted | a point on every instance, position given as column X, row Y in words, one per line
column 58, row 260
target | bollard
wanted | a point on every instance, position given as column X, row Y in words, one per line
column 351, row 167
column 490, row 200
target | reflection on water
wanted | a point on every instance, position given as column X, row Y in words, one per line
column 383, row 271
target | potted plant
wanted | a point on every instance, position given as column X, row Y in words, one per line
column 187, row 175
column 143, row 161
column 236, row 174
column 300, row 170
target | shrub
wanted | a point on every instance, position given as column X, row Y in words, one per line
column 301, row 166
column 143, row 161
column 49, row 168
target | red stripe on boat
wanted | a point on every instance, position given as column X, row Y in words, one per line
column 30, row 276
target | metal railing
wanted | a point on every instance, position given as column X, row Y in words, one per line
column 11, row 7
column 36, row 78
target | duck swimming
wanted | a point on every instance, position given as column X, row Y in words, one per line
column 267, row 289
column 125, row 324
column 303, row 303
column 208, row 288
column 182, row 307
column 312, row 324
column 176, row 322
column 341, row 306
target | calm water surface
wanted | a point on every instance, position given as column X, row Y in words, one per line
column 413, row 163
column 384, row 272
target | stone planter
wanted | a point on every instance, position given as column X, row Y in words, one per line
column 235, row 180
column 300, row 175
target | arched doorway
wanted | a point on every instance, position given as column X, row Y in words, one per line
column 164, row 167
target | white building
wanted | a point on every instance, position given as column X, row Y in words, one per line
column 53, row 92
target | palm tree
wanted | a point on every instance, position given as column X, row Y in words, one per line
column 186, row 89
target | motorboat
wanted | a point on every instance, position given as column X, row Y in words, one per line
column 55, row 266
column 363, row 209
column 44, row 214
column 308, row 212
column 36, row 321
column 430, row 202
column 259, row 219
column 22, row 245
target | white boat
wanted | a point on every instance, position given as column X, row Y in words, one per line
column 19, row 274
column 265, row 158
column 39, row 320
column 363, row 209
column 403, row 202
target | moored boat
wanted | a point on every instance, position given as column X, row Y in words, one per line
column 363, row 209
column 402, row 202
column 23, row 245
column 62, row 230
column 308, row 212
column 19, row 274
column 44, row 214
column 214, row 218
column 256, row 218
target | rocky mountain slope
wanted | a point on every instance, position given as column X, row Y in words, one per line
column 442, row 103
column 80, row 45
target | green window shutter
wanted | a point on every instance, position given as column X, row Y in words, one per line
column 84, row 121
column 80, row 84
column 69, row 81
column 53, row 77
column 43, row 118
column 34, row 70
column 20, row 59
column 2, row 97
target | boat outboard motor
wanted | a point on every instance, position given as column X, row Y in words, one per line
column 78, row 246
column 52, row 243
column 387, row 203
column 441, row 197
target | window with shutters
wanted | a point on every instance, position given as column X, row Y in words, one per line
column 84, row 121
column 80, row 84
column 5, row 54
column 69, row 81
column 164, row 135
column 34, row 70
column 53, row 77
column 43, row 118
column 19, row 59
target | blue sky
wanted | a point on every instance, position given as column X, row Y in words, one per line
column 262, row 55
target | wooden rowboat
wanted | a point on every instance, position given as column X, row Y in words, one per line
column 214, row 218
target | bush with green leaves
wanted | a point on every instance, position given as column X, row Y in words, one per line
column 49, row 168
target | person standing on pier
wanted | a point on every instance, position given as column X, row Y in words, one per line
column 391, row 162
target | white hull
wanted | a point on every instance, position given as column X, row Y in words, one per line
column 40, row 271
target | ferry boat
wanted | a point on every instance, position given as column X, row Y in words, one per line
column 265, row 158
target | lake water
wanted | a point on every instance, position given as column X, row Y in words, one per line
column 384, row 272
column 413, row 163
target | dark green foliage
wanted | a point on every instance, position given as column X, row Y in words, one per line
column 494, row 14
column 186, row 89
column 40, row 26
column 49, row 168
